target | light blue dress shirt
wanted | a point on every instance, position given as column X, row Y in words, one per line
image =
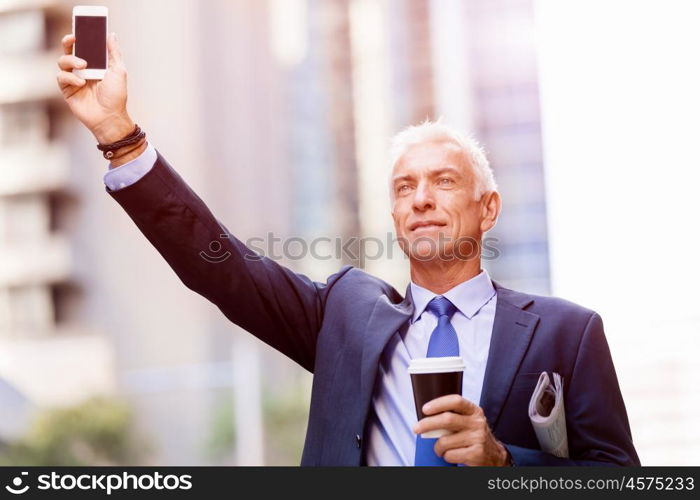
column 390, row 435
column 391, row 438
column 125, row 175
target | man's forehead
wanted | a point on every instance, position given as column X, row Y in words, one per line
column 432, row 155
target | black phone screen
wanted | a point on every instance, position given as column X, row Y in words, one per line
column 91, row 40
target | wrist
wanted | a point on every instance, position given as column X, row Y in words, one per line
column 506, row 457
column 113, row 129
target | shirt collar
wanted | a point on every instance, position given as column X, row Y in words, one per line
column 469, row 296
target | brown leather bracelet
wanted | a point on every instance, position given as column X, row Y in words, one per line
column 141, row 143
column 135, row 136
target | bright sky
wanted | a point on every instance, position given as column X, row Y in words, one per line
column 620, row 89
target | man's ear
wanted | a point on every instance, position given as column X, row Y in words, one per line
column 490, row 209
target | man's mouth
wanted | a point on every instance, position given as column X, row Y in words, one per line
column 427, row 225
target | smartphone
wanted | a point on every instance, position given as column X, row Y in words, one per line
column 90, row 30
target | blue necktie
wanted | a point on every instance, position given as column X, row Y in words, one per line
column 443, row 342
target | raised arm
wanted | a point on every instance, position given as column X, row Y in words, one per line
column 280, row 307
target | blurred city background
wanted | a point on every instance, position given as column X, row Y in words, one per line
column 279, row 113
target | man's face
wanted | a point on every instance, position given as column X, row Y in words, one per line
column 435, row 214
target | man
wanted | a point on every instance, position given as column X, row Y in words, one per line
column 357, row 334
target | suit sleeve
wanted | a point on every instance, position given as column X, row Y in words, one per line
column 280, row 307
column 596, row 419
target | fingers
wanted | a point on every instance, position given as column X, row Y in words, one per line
column 68, row 62
column 477, row 454
column 467, row 456
column 66, row 79
column 463, row 439
column 453, row 402
column 115, row 54
column 471, row 446
column 471, row 453
column 447, row 420
column 453, row 413
column 67, row 42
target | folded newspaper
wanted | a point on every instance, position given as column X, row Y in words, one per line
column 547, row 415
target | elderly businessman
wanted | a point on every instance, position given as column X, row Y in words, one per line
column 356, row 333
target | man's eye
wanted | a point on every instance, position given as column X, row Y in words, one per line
column 445, row 181
column 402, row 188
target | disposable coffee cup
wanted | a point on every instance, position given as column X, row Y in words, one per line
column 432, row 378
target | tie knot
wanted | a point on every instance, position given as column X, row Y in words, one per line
column 440, row 306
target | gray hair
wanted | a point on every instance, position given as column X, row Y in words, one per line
column 435, row 131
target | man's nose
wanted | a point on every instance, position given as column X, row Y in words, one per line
column 423, row 198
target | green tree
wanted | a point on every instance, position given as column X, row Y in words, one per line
column 95, row 432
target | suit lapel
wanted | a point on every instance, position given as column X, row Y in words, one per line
column 386, row 319
column 512, row 330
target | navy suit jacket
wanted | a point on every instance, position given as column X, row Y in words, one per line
column 338, row 329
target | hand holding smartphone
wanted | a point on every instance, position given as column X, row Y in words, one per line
column 93, row 77
column 90, row 29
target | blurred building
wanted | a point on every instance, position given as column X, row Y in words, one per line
column 506, row 117
column 73, row 323
column 47, row 356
